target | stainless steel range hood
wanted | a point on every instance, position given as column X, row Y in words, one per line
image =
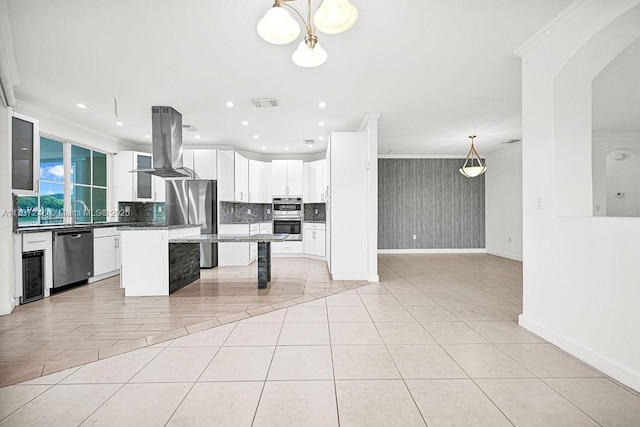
column 167, row 144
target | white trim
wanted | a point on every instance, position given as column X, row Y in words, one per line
column 8, row 68
column 373, row 278
column 6, row 309
column 433, row 251
column 365, row 120
column 503, row 255
column 610, row 367
column 103, row 276
column 350, row 276
column 620, row 134
column 548, row 30
column 422, row 156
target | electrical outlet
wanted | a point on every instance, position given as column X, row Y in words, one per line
column 540, row 203
column 249, row 211
column 316, row 211
column 509, row 239
column 159, row 209
column 232, row 209
column 414, row 237
column 268, row 211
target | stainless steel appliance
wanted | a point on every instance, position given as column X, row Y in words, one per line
column 287, row 216
column 72, row 256
column 194, row 201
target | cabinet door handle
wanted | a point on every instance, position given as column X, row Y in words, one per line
column 314, row 234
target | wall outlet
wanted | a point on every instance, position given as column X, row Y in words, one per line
column 268, row 211
column 159, row 209
column 232, row 209
column 509, row 239
column 249, row 211
column 540, row 203
column 414, row 237
column 316, row 211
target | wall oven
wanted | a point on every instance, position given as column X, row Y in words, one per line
column 287, row 217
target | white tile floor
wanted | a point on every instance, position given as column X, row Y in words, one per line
column 409, row 351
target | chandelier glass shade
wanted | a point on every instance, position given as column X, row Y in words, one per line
column 473, row 165
column 279, row 27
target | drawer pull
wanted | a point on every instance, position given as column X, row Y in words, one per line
column 36, row 241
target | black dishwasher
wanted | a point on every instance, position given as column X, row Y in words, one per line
column 72, row 256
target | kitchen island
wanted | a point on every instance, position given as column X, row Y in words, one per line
column 152, row 264
column 264, row 248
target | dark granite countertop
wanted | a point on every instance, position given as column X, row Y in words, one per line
column 158, row 227
column 217, row 238
column 253, row 221
column 57, row 227
column 314, row 221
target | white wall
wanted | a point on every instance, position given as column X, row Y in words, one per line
column 581, row 273
column 503, row 202
column 7, row 301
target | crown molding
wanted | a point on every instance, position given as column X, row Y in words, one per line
column 365, row 120
column 8, row 69
column 45, row 113
column 548, row 30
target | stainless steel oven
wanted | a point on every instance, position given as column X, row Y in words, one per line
column 292, row 227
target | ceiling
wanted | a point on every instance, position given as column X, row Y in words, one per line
column 436, row 70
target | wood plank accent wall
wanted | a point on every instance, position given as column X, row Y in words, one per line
column 431, row 199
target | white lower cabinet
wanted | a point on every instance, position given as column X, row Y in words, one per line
column 241, row 253
column 288, row 247
column 106, row 252
column 314, row 236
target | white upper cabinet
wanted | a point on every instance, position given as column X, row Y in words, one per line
column 241, row 174
column 205, row 163
column 226, row 175
column 135, row 187
column 287, row 177
column 259, row 182
column 315, row 181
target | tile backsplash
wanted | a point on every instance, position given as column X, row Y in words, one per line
column 315, row 212
column 141, row 212
column 244, row 213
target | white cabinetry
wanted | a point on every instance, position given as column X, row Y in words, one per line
column 259, row 182
column 135, row 187
column 241, row 176
column 315, row 182
column 106, row 252
column 314, row 239
column 287, row 177
column 205, row 163
column 240, row 253
column 233, row 176
column 28, row 242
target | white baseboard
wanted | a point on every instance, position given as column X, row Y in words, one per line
column 104, row 276
column 503, row 255
column 350, row 276
column 374, row 278
column 433, row 251
column 621, row 373
column 8, row 307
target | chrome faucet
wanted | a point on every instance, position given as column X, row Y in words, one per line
column 86, row 210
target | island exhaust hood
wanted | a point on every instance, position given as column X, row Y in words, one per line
column 166, row 141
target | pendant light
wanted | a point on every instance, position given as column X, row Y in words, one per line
column 473, row 165
column 332, row 17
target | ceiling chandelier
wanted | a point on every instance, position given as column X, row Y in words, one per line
column 332, row 17
column 473, row 165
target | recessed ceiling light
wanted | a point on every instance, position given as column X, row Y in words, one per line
column 321, row 138
column 264, row 147
column 119, row 124
column 197, row 136
column 256, row 136
column 310, row 145
column 245, row 123
column 230, row 104
column 147, row 136
column 322, row 104
column 320, row 123
column 286, row 148
column 83, row 106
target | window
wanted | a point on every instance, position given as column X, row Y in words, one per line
column 87, row 181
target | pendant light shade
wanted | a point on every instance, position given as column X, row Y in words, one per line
column 278, row 27
column 308, row 57
column 335, row 16
column 473, row 165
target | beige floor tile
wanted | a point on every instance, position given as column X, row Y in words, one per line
column 177, row 364
column 349, row 333
column 15, row 396
column 379, row 299
column 301, row 363
column 213, row 337
column 449, row 298
column 306, row 314
column 271, row 317
column 376, row 403
column 297, row 403
column 431, row 313
column 530, row 402
column 229, row 404
column 453, row 333
column 239, row 364
column 344, row 300
column 117, row 369
column 374, row 289
column 52, row 378
column 475, row 313
column 455, row 403
column 318, row 302
column 248, row 334
column 486, row 361
column 545, row 361
column 425, row 362
column 140, row 405
column 348, row 314
column 600, row 398
column 62, row 405
column 304, row 334
column 390, row 313
column 415, row 299
column 404, row 333
column 363, row 362
column 503, row 332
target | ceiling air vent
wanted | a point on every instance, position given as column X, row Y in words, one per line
column 308, row 142
column 512, row 141
column 190, row 128
column 265, row 102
